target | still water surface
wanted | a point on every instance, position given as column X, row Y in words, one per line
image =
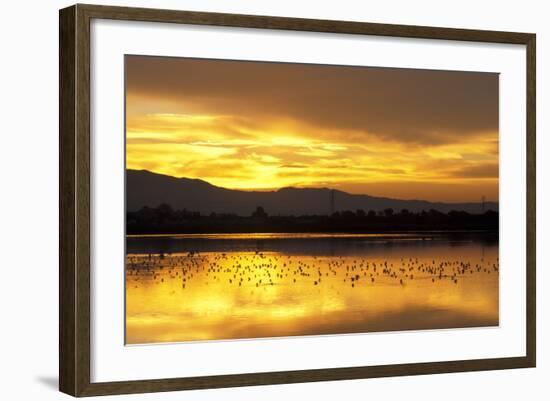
column 229, row 286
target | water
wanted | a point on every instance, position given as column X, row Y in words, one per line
column 230, row 286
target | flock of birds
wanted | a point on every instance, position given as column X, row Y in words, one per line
column 258, row 269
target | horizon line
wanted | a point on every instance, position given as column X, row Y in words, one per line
column 317, row 188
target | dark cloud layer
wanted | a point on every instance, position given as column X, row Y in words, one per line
column 488, row 170
column 404, row 105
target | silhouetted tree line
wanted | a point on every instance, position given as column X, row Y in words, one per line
column 164, row 219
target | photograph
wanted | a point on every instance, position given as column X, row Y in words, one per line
column 274, row 199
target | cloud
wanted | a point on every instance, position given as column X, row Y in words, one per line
column 406, row 105
column 486, row 170
column 405, row 133
column 300, row 166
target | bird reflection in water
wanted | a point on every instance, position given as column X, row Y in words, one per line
column 250, row 294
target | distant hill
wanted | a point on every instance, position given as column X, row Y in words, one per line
column 144, row 188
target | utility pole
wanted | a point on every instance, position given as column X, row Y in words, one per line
column 331, row 202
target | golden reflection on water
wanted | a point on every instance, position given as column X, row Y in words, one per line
column 216, row 295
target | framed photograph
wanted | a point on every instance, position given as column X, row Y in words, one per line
column 250, row 200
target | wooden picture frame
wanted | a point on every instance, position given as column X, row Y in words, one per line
column 74, row 205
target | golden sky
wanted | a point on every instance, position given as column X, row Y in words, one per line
column 401, row 133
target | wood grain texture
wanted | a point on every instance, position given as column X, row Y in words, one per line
column 301, row 24
column 74, row 207
column 531, row 304
column 67, row 296
column 300, row 376
column 74, row 199
column 82, row 193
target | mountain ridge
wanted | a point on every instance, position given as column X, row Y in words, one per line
column 146, row 188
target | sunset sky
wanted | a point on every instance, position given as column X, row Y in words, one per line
column 410, row 134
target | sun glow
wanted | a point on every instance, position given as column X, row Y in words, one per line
column 245, row 139
column 207, row 148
